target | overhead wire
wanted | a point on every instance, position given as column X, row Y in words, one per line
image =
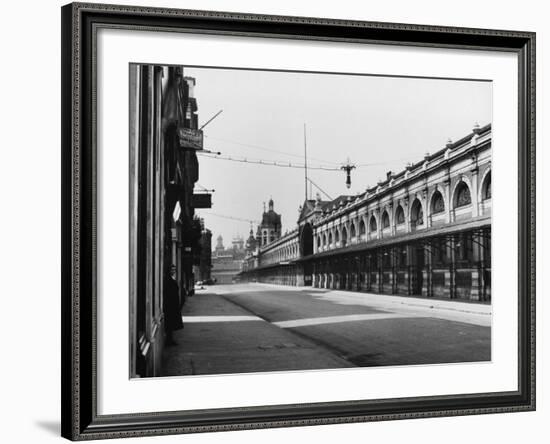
column 283, row 164
column 271, row 150
column 268, row 162
column 232, row 217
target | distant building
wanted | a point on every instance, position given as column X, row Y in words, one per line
column 251, row 243
column 270, row 228
column 227, row 263
column 267, row 233
column 219, row 245
column 237, row 243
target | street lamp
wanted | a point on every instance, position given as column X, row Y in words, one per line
column 347, row 168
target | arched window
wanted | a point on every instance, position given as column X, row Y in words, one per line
column 372, row 224
column 352, row 230
column 324, row 239
column 462, row 195
column 336, row 236
column 438, row 205
column 362, row 229
column 385, row 220
column 400, row 215
column 344, row 237
column 417, row 215
column 486, row 190
column 330, row 238
column 319, row 241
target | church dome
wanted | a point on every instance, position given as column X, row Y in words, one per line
column 270, row 217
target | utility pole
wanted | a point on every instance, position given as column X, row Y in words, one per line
column 305, row 160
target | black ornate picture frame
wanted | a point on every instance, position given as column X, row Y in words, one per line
column 80, row 418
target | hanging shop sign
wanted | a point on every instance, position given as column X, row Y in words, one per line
column 191, row 138
column 202, row 200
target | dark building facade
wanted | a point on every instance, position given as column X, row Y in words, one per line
column 165, row 235
column 424, row 231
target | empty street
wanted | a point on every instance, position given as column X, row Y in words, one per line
column 244, row 328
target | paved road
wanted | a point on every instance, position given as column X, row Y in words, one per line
column 254, row 328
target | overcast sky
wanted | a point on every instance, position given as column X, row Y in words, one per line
column 383, row 121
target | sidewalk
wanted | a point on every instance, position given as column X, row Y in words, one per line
column 384, row 299
column 470, row 312
column 220, row 337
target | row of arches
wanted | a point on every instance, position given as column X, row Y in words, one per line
column 437, row 206
column 280, row 254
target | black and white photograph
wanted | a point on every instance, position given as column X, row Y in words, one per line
column 297, row 221
column 274, row 222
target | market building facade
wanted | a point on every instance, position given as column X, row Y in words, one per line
column 424, row 231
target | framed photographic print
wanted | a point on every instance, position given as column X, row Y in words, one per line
column 278, row 221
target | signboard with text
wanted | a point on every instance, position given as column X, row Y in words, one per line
column 190, row 138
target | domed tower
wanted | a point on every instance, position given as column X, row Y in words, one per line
column 219, row 244
column 251, row 242
column 270, row 228
column 237, row 243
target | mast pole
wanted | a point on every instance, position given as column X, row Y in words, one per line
column 305, row 161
